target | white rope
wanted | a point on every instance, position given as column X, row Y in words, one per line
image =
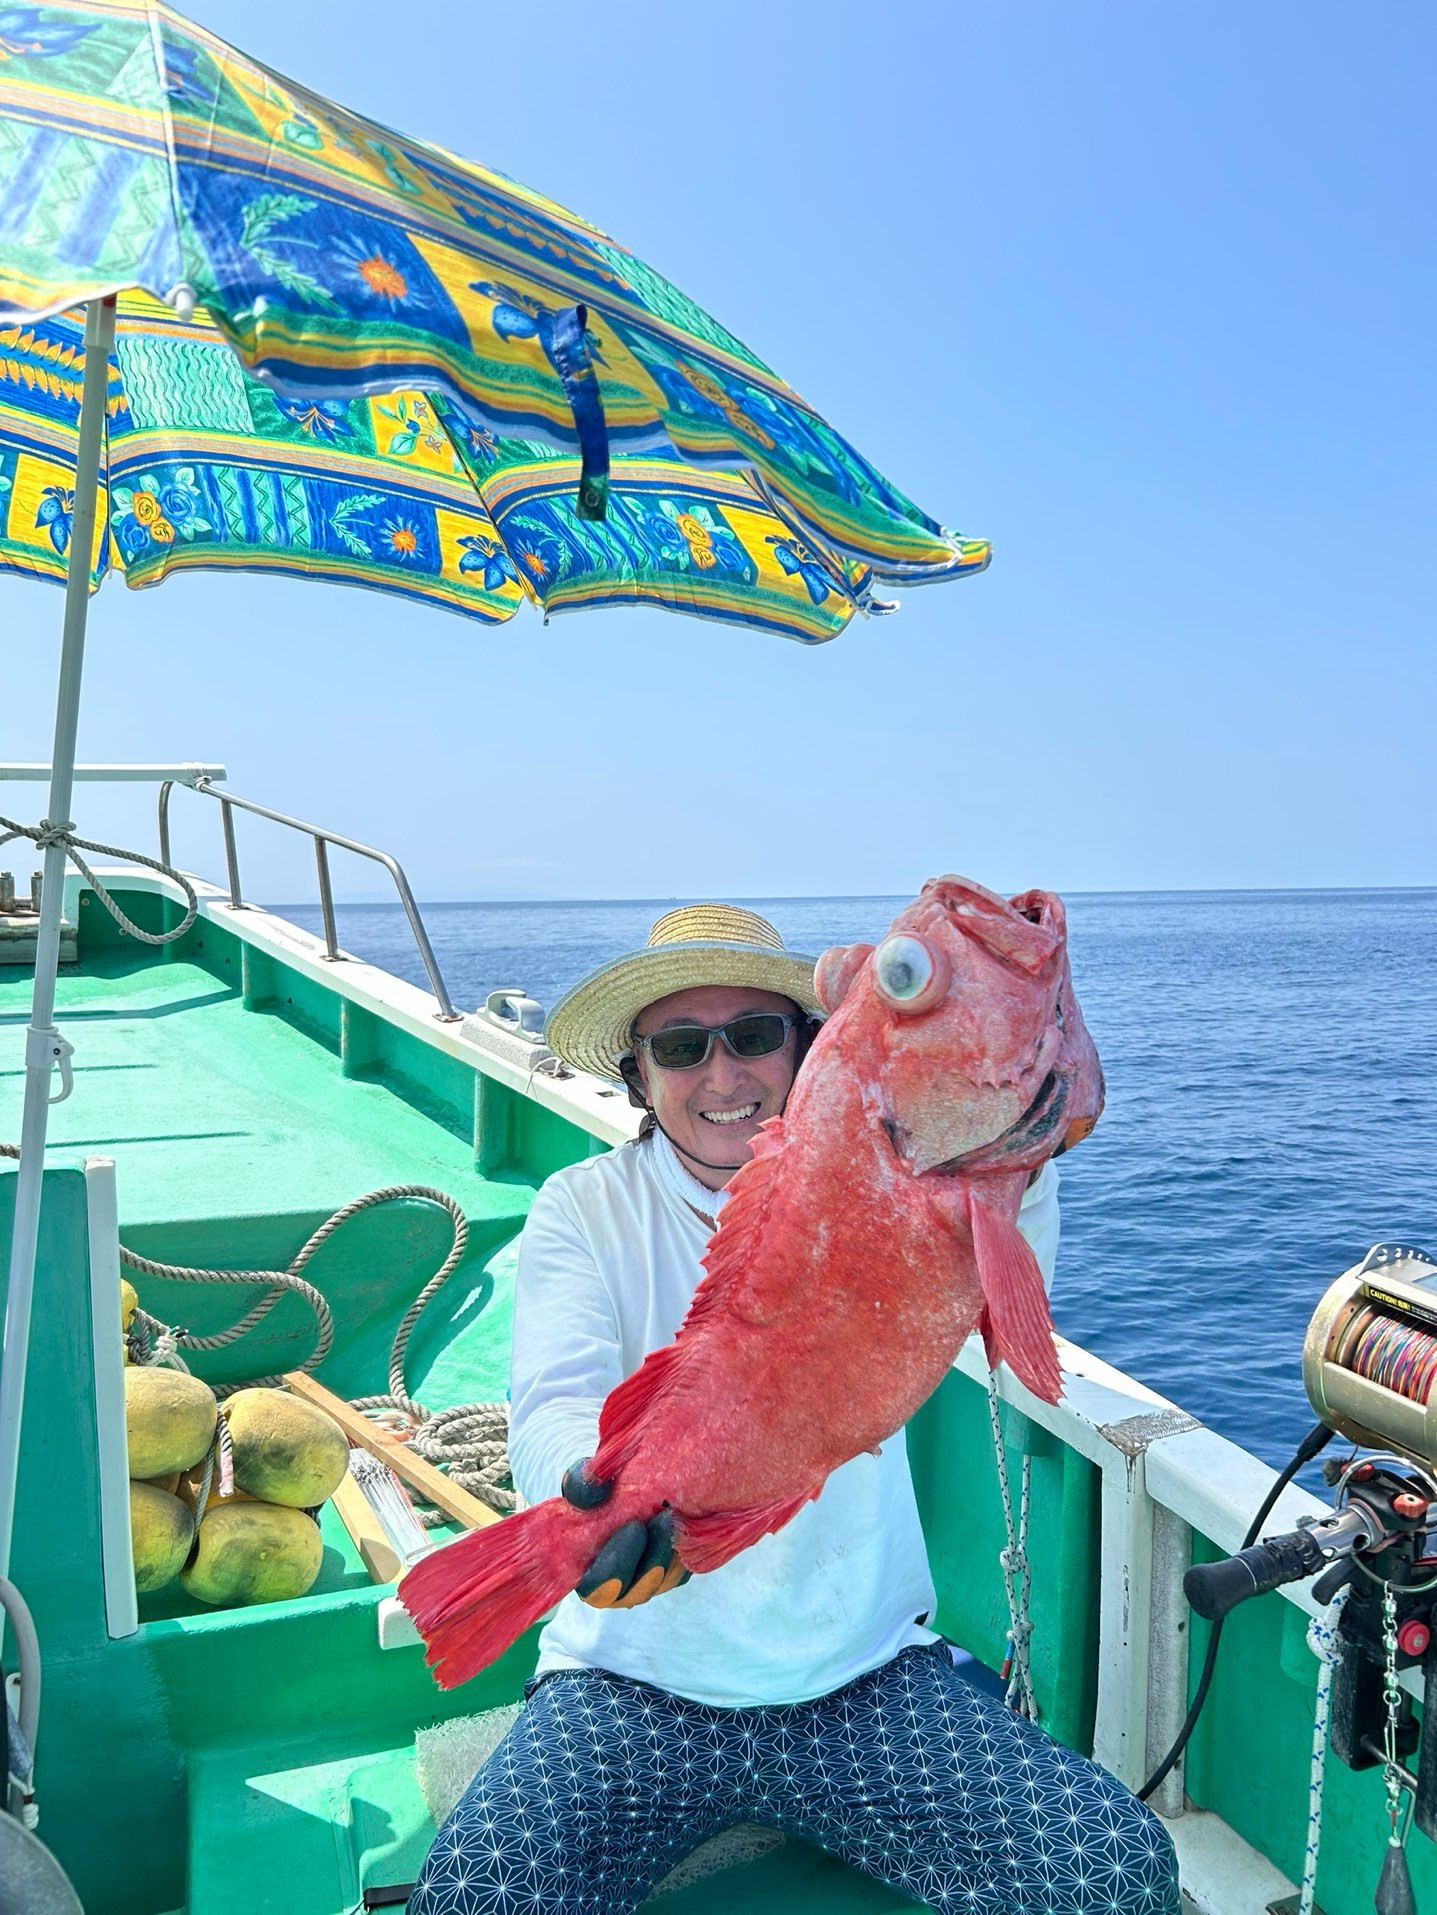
column 154, row 1344
column 218, row 1457
column 276, row 1282
column 471, row 1443
column 45, row 834
column 1013, row 1560
column 1325, row 1644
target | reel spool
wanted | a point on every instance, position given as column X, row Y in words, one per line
column 1369, row 1360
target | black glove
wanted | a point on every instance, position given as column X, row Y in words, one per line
column 637, row 1561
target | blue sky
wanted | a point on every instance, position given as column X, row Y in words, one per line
column 1143, row 294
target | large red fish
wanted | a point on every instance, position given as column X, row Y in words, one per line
column 872, row 1231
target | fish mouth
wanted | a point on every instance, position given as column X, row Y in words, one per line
column 1037, row 1120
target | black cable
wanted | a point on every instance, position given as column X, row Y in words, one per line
column 1316, row 1440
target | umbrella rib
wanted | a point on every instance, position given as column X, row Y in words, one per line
column 176, row 294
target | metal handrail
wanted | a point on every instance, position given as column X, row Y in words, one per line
column 229, row 802
column 119, row 774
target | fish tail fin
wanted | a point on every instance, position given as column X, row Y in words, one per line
column 1017, row 1328
column 477, row 1595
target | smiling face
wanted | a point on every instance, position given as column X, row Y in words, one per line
column 712, row 1113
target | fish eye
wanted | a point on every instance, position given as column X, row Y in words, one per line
column 910, row 974
column 903, row 967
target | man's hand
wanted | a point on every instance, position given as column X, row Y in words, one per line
column 637, row 1561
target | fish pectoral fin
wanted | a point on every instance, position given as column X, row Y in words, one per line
column 1017, row 1327
column 707, row 1542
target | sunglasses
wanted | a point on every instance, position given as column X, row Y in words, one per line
column 683, row 1047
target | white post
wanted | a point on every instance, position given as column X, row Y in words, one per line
column 106, row 1339
column 1120, row 1727
column 44, row 1047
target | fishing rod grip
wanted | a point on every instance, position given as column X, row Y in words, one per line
column 1212, row 1589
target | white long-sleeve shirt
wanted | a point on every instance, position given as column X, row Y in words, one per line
column 608, row 1265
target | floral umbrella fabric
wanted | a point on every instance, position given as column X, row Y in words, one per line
column 345, row 354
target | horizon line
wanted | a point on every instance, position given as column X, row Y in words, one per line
column 864, row 897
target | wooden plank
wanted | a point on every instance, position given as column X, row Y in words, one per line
column 432, row 1484
column 366, row 1532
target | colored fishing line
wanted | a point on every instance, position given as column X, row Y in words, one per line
column 1396, row 1355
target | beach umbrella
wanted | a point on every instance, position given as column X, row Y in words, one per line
column 204, row 465
column 240, row 325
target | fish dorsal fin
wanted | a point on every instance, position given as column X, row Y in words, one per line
column 1017, row 1328
column 730, row 1286
column 732, row 1274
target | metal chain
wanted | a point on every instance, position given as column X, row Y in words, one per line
column 1392, row 1698
column 1324, row 1641
column 1017, row 1579
column 45, row 834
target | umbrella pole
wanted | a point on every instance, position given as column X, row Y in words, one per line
column 41, row 1050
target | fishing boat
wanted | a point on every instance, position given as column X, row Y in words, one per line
column 241, row 326
column 248, row 1080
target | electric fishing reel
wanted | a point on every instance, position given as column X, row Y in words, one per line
column 1369, row 1366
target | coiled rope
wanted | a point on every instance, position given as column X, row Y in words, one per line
column 470, row 1441
column 45, row 834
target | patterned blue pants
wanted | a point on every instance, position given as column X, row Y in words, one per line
column 909, row 1773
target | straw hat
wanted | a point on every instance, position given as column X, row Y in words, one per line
column 591, row 1026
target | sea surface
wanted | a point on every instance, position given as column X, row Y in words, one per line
column 1271, row 1060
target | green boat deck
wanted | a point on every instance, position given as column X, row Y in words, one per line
column 231, row 1761
column 219, row 1111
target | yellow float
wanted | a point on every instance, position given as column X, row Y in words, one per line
column 253, row 1552
column 169, row 1420
column 161, row 1532
column 285, row 1450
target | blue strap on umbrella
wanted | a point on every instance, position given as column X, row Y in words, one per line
column 570, row 357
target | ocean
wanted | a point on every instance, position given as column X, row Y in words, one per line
column 1271, row 1114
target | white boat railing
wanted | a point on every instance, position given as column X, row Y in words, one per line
column 229, row 802
column 203, row 778
column 1164, row 1478
column 118, row 774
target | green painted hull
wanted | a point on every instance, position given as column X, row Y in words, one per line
column 233, row 1761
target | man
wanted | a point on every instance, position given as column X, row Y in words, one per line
column 797, row 1686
